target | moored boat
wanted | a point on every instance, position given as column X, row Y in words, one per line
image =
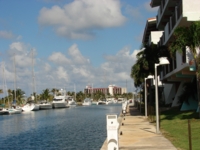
column 45, row 105
column 14, row 111
column 3, row 111
column 71, row 101
column 87, row 102
column 60, row 101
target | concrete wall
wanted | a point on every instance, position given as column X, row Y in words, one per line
column 191, row 10
column 155, row 37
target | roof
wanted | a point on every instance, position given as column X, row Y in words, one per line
column 150, row 26
column 155, row 3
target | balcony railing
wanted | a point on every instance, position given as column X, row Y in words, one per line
column 171, row 23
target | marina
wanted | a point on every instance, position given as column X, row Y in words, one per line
column 67, row 128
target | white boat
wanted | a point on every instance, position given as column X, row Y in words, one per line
column 100, row 102
column 94, row 103
column 45, row 105
column 60, row 101
column 87, row 102
column 3, row 111
column 14, row 111
column 109, row 102
column 71, row 101
column 30, row 106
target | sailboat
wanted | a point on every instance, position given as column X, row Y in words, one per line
column 11, row 110
column 30, row 105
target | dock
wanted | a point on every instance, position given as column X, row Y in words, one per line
column 136, row 133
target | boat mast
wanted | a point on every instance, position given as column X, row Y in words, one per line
column 33, row 76
column 74, row 92
column 15, row 88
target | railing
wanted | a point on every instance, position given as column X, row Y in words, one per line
column 175, row 17
column 179, row 10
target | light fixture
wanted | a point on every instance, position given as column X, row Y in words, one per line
column 163, row 61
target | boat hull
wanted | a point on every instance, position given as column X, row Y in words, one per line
column 30, row 107
column 4, row 112
column 60, row 105
column 45, row 106
column 14, row 111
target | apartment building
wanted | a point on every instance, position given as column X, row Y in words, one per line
column 172, row 14
column 111, row 89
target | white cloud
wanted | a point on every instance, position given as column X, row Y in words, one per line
column 119, row 66
column 80, row 19
column 59, row 58
column 149, row 8
column 75, row 53
column 62, row 74
column 6, row 35
column 62, row 70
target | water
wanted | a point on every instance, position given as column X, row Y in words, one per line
column 78, row 128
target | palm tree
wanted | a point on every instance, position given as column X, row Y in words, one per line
column 54, row 91
column 145, row 64
column 19, row 96
column 188, row 37
column 80, row 96
column 45, row 94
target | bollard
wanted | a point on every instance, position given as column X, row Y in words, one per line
column 112, row 132
column 124, row 106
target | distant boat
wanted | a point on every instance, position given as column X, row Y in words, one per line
column 101, row 102
column 30, row 106
column 60, row 101
column 14, row 111
column 3, row 111
column 71, row 101
column 87, row 102
column 45, row 105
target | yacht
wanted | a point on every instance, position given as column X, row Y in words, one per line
column 45, row 105
column 71, row 101
column 60, row 101
column 87, row 102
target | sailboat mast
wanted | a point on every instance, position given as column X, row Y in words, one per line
column 15, row 78
column 5, row 85
column 74, row 92
column 33, row 76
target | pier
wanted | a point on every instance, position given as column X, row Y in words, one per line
column 136, row 133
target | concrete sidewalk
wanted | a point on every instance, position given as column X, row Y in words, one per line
column 139, row 134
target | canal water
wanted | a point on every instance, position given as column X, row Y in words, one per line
column 78, row 128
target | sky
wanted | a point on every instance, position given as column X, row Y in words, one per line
column 70, row 44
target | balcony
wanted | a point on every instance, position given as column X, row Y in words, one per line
column 184, row 13
column 166, row 9
column 179, row 69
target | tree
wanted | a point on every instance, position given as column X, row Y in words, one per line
column 188, row 37
column 144, row 65
column 45, row 94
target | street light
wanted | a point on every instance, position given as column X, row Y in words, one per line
column 163, row 61
column 149, row 77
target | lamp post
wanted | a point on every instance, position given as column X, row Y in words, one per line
column 149, row 77
column 163, row 61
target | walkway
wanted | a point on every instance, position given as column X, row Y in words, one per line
column 139, row 134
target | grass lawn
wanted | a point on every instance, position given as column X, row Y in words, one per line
column 174, row 126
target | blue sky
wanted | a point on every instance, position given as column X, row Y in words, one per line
column 73, row 42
